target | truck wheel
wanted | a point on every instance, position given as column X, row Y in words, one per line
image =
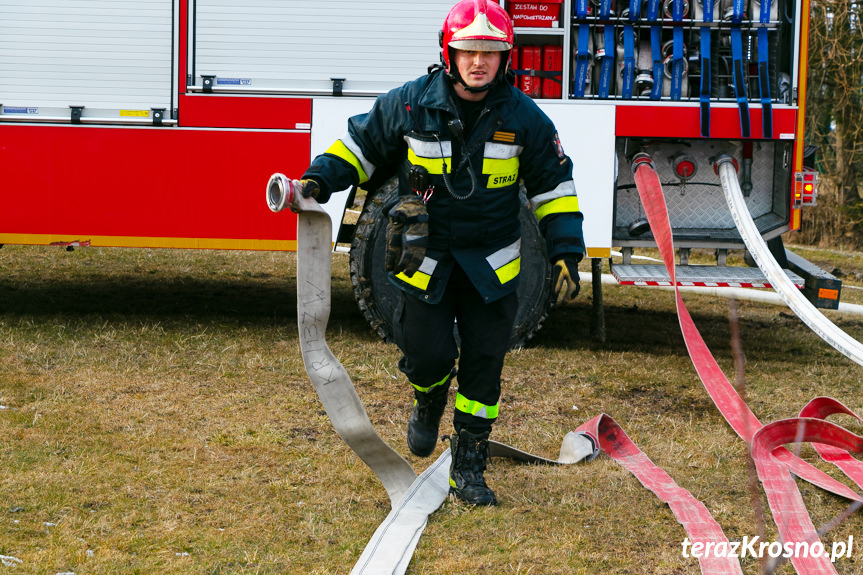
column 377, row 297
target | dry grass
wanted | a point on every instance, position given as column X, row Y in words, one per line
column 157, row 419
column 830, row 224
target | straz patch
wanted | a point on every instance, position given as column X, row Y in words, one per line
column 502, row 180
column 558, row 146
column 504, row 137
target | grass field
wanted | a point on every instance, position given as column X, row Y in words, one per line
column 155, row 418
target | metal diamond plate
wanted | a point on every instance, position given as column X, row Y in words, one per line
column 700, row 202
column 691, row 275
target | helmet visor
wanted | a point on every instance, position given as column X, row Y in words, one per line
column 480, row 45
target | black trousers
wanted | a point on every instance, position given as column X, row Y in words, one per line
column 424, row 333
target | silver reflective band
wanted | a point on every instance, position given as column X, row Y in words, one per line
column 441, row 149
column 505, row 255
column 497, row 151
column 428, row 266
column 562, row 190
column 350, row 144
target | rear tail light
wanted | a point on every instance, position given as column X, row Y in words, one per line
column 805, row 188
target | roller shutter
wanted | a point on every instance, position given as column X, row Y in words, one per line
column 299, row 46
column 113, row 57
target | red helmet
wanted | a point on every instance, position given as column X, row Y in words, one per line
column 477, row 25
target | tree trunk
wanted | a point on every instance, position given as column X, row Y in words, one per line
column 846, row 170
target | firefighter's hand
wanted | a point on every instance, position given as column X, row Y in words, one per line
column 407, row 236
column 565, row 281
column 307, row 188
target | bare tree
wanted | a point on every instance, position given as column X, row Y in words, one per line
column 835, row 93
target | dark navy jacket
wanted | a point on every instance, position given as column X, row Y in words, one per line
column 474, row 209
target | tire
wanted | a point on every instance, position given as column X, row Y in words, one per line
column 377, row 297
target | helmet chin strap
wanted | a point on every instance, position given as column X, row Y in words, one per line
column 479, row 90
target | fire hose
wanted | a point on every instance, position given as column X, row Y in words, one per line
column 414, row 498
column 774, row 462
column 816, row 321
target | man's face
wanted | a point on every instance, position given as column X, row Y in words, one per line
column 477, row 68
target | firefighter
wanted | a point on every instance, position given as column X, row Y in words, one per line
column 461, row 137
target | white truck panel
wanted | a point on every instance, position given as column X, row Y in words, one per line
column 587, row 136
column 329, row 123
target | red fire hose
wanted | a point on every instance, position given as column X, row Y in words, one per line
column 774, row 462
column 413, row 499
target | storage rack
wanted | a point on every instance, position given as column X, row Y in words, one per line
column 779, row 32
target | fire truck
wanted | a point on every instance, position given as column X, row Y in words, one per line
column 157, row 123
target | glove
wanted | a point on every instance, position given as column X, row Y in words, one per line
column 407, row 236
column 307, row 188
column 566, row 272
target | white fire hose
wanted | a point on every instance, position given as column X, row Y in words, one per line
column 795, row 300
column 412, row 498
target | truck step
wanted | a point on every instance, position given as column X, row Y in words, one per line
column 695, row 275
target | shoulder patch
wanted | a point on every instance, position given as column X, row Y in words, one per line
column 558, row 146
column 505, row 137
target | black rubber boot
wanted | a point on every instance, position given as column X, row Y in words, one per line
column 425, row 419
column 469, row 456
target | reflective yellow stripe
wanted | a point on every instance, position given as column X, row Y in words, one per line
column 339, row 149
column 502, row 180
column 493, row 166
column 558, row 206
column 562, row 190
column 501, row 173
column 509, row 271
column 433, row 165
column 418, row 280
column 506, row 262
column 426, row 389
column 475, row 408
